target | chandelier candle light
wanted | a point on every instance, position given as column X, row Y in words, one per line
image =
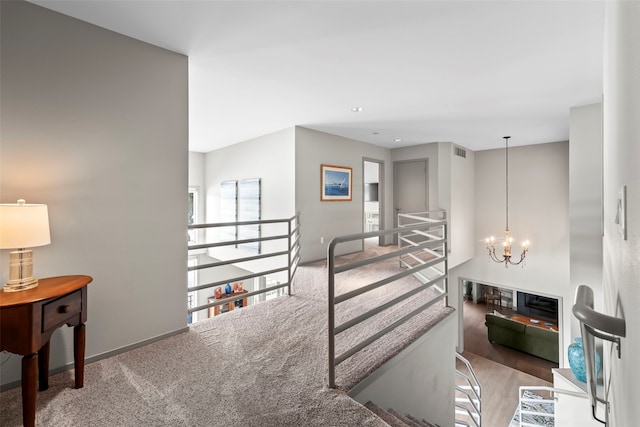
column 22, row 226
column 508, row 240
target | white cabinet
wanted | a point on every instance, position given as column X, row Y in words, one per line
column 572, row 411
column 372, row 221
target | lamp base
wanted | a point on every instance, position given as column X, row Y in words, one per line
column 28, row 283
column 20, row 271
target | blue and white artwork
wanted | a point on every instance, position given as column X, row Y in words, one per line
column 336, row 183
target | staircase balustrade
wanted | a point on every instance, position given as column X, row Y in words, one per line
column 468, row 397
column 424, row 242
column 292, row 252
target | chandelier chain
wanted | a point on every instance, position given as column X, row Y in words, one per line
column 506, row 138
column 506, row 256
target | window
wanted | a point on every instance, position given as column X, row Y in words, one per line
column 241, row 201
column 192, row 212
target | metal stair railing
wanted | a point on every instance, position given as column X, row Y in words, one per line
column 595, row 325
column 292, row 253
column 435, row 232
column 470, row 405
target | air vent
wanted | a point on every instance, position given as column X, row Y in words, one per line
column 460, row 152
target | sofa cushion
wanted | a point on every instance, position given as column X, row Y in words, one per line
column 505, row 323
column 545, row 334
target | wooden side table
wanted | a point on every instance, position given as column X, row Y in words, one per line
column 27, row 320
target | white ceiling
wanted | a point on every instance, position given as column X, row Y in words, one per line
column 468, row 72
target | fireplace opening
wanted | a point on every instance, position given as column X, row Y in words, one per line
column 537, row 306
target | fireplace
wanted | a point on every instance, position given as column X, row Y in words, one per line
column 537, row 306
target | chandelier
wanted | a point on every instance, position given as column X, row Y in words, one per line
column 508, row 240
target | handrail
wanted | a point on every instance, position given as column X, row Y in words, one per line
column 334, row 299
column 613, row 327
column 594, row 324
column 475, row 387
column 468, row 413
column 292, row 254
column 407, row 238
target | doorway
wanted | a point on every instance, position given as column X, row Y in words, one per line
column 472, row 334
column 373, row 200
column 410, row 188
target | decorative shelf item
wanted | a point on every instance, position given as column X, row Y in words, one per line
column 576, row 361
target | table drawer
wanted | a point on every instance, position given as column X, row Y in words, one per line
column 56, row 312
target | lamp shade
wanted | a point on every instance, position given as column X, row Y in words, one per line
column 23, row 225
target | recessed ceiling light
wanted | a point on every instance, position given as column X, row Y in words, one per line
column 397, row 140
column 356, row 109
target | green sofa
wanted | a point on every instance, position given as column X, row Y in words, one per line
column 530, row 339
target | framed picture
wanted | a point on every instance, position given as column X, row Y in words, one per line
column 335, row 183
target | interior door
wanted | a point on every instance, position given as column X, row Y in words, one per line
column 410, row 188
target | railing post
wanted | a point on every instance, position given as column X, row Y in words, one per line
column 331, row 314
column 446, row 263
column 289, row 278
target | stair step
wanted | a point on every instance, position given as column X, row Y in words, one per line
column 386, row 416
column 404, row 418
column 396, row 419
column 421, row 423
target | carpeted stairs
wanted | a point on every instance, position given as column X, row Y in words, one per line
column 396, row 419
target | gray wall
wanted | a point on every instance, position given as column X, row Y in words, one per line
column 424, row 151
column 585, row 202
column 538, row 211
column 621, row 269
column 331, row 219
column 456, row 192
column 420, row 380
column 269, row 157
column 95, row 125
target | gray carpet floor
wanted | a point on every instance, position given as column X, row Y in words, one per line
column 264, row 365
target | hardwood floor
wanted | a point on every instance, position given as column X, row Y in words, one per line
column 500, row 370
column 499, row 389
column 476, row 342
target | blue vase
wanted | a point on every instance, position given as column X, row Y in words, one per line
column 227, row 289
column 576, row 361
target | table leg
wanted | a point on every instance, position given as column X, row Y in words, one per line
column 78, row 353
column 43, row 366
column 29, row 389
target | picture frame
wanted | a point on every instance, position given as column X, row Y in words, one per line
column 336, row 183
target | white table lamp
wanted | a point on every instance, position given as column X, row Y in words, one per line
column 22, row 226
